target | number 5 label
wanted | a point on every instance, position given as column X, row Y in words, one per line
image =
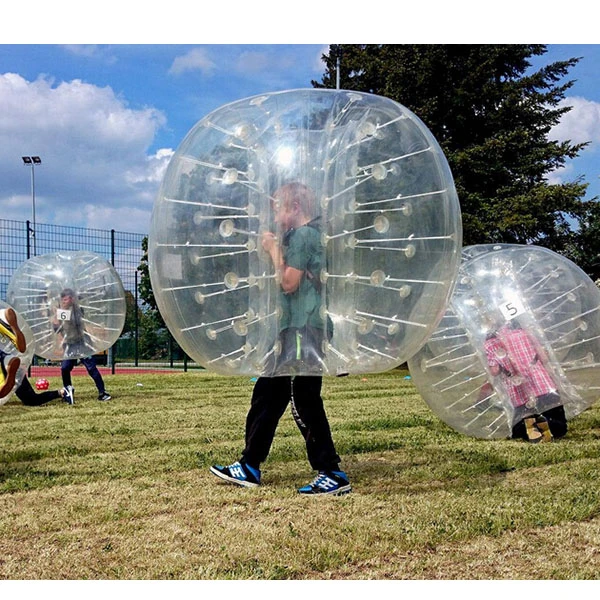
column 512, row 309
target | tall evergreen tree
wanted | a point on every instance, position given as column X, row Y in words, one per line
column 145, row 285
column 492, row 114
column 154, row 337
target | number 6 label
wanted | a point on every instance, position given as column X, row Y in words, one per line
column 63, row 314
column 512, row 309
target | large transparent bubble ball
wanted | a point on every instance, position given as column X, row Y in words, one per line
column 9, row 350
column 509, row 297
column 386, row 212
column 90, row 322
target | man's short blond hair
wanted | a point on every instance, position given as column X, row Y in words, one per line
column 297, row 193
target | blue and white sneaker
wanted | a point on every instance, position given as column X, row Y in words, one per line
column 335, row 483
column 68, row 395
column 238, row 473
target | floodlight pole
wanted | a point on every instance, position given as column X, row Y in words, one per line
column 31, row 161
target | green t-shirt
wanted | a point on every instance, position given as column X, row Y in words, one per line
column 305, row 253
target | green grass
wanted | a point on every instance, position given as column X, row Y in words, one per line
column 121, row 490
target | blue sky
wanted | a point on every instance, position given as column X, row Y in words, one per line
column 105, row 118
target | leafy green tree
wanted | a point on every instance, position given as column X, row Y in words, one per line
column 130, row 312
column 155, row 340
column 145, row 284
column 492, row 114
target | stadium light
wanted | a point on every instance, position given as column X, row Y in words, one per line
column 32, row 161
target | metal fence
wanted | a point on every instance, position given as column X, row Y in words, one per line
column 18, row 243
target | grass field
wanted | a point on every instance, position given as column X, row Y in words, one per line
column 121, row 490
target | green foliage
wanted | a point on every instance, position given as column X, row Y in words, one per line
column 145, row 284
column 492, row 115
column 130, row 315
column 155, row 341
column 154, row 337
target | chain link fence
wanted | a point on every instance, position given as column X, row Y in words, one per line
column 141, row 344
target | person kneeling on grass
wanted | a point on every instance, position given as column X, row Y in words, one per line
column 9, row 365
column 298, row 262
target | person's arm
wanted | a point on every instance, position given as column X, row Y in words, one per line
column 56, row 324
column 540, row 352
column 290, row 277
column 491, row 360
column 54, row 317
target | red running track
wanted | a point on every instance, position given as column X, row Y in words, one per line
column 52, row 371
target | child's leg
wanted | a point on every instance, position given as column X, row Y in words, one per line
column 89, row 363
column 270, row 398
column 66, row 366
column 557, row 421
column 26, row 394
column 315, row 428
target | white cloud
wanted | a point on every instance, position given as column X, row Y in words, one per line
column 253, row 62
column 135, row 220
column 320, row 66
column 196, row 59
column 276, row 60
column 92, row 51
column 153, row 170
column 560, row 175
column 95, row 171
column 580, row 124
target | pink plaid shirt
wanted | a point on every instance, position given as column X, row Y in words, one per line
column 523, row 373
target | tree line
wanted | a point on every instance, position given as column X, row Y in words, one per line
column 492, row 114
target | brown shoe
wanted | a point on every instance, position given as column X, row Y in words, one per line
column 534, row 435
column 7, row 379
column 9, row 326
column 542, row 424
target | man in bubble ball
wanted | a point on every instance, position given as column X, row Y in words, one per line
column 298, row 261
column 514, row 355
column 68, row 322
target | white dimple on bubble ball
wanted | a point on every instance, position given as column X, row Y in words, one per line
column 550, row 296
column 389, row 226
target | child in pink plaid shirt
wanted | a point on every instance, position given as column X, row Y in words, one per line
column 519, row 359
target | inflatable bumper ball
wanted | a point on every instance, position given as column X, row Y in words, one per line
column 348, row 189
column 521, row 336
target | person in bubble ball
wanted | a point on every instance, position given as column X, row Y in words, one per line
column 25, row 393
column 514, row 355
column 10, row 363
column 298, row 261
column 69, row 323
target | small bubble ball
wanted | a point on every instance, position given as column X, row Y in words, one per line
column 521, row 336
column 305, row 232
column 74, row 303
column 16, row 350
